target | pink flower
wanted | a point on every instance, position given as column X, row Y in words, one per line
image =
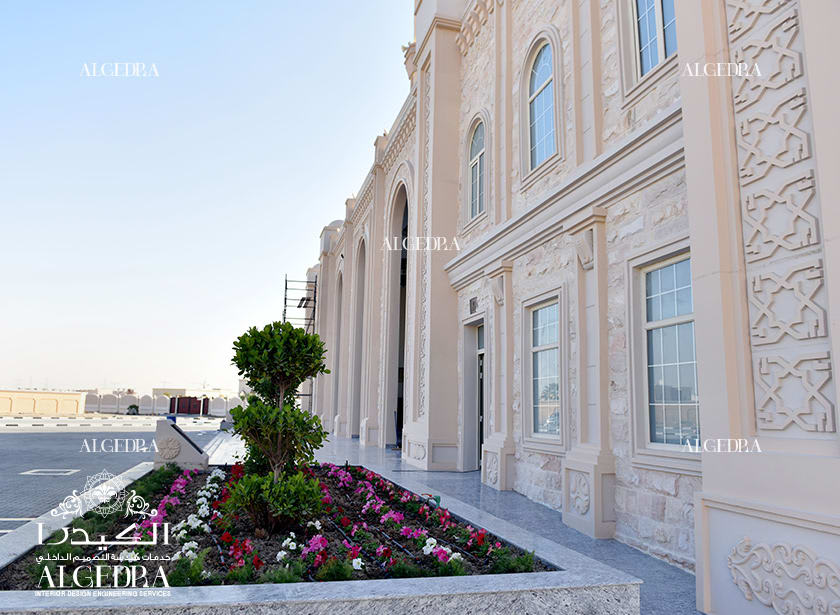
column 316, row 543
column 405, row 531
column 441, row 554
column 397, row 517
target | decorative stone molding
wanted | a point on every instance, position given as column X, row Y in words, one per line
column 424, row 256
column 491, row 471
column 780, row 211
column 169, row 448
column 579, row 492
column 476, row 17
column 788, row 578
column 418, row 451
column 403, row 132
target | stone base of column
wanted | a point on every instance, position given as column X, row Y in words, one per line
column 497, row 462
column 368, row 432
column 420, row 451
column 589, row 492
column 340, row 427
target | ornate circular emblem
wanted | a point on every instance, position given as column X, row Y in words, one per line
column 169, row 448
column 104, row 493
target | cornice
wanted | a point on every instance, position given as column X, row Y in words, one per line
column 437, row 22
column 402, row 130
column 641, row 158
column 474, row 19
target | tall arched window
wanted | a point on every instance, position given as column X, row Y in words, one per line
column 477, row 171
column 541, row 107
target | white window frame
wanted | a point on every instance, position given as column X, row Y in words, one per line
column 660, row 37
column 468, row 222
column 530, row 175
column 480, row 183
column 634, row 84
column 647, row 454
column 555, row 444
column 532, row 96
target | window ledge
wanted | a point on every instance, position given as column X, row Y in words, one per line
column 665, row 460
column 655, row 76
column 541, row 171
column 474, row 222
column 549, row 446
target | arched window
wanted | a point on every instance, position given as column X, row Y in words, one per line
column 541, row 107
column 477, row 171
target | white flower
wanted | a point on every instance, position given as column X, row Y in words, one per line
column 292, row 546
column 281, row 555
column 205, row 574
column 190, row 546
column 358, row 564
column 455, row 556
column 128, row 555
column 292, row 535
column 289, row 543
column 316, row 524
column 431, row 543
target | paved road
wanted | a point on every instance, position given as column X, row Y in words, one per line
column 25, row 496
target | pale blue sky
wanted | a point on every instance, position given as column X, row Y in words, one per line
column 148, row 222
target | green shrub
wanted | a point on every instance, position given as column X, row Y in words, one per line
column 189, row 571
column 242, row 575
column 504, row 562
column 287, row 437
column 335, row 569
column 404, row 569
column 452, row 568
column 271, row 504
column 295, row 498
column 293, row 573
column 276, row 359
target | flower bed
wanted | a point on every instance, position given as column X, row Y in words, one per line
column 368, row 528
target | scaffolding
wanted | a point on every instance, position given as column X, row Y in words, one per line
column 299, row 305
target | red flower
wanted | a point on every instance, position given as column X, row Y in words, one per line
column 226, row 537
column 237, row 471
column 258, row 563
column 345, row 522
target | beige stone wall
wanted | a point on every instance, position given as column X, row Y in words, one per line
column 41, row 403
column 655, row 509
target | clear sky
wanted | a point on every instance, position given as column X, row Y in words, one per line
column 148, row 222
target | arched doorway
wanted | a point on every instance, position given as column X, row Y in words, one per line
column 397, row 275
column 358, row 333
column 337, row 350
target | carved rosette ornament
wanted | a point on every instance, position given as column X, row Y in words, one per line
column 788, row 578
column 169, row 448
column 579, row 492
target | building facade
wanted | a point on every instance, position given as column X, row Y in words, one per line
column 595, row 251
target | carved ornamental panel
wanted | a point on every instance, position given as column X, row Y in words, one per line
column 780, row 213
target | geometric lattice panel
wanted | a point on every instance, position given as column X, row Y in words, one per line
column 784, row 304
column 792, row 391
column 778, row 217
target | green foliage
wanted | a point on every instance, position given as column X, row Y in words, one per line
column 286, row 436
column 276, row 359
column 242, row 575
column 504, row 562
column 271, row 504
column 452, row 568
column 404, row 569
column 189, row 571
column 293, row 573
column 335, row 569
column 295, row 498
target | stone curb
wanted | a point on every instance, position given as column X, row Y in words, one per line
column 15, row 544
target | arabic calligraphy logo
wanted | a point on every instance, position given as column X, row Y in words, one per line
column 103, row 494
